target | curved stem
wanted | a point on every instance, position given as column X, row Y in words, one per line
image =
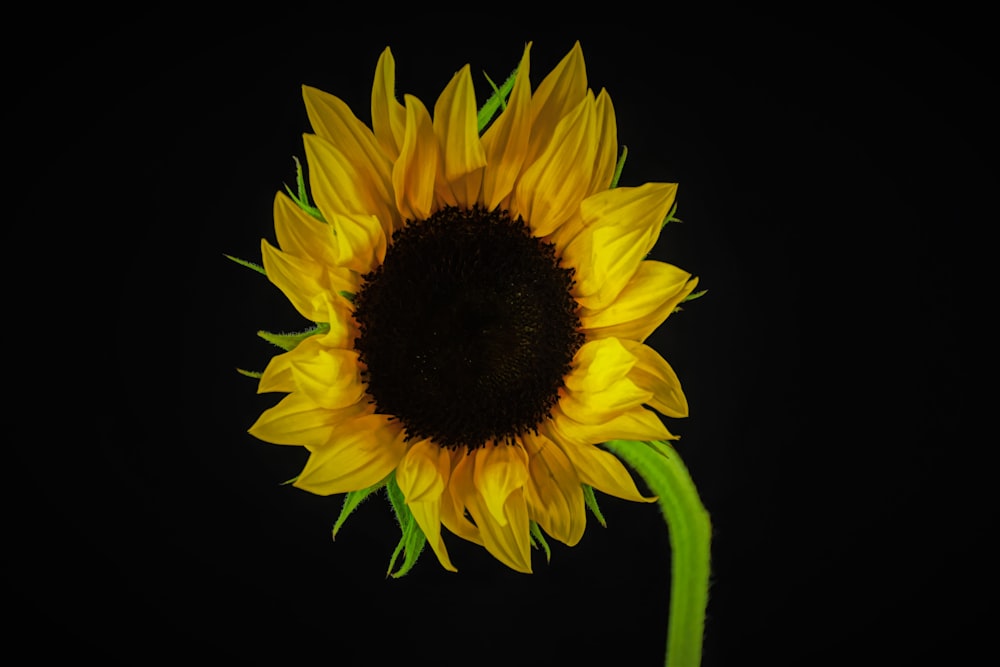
column 690, row 542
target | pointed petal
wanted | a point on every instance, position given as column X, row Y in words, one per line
column 602, row 471
column 388, row 115
column 598, row 388
column 300, row 280
column 301, row 235
column 597, row 365
column 509, row 541
column 414, row 173
column 551, row 189
column 329, row 377
column 498, row 471
column 277, row 376
column 422, row 476
column 360, row 241
column 462, row 155
column 460, row 487
column 635, row 424
column 332, row 119
column 553, row 492
column 296, row 420
column 644, row 304
column 361, row 451
column 620, row 227
column 505, row 142
column 343, row 328
column 558, row 93
column 607, row 144
column 341, row 186
column 654, row 374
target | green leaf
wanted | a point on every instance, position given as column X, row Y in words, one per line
column 690, row 531
column 537, row 538
column 289, row 341
column 351, row 501
column 250, row 265
column 250, row 374
column 301, row 197
column 591, row 501
column 618, row 168
column 495, row 101
column 412, row 542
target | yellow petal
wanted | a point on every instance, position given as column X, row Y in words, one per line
column 558, row 93
column 329, row 377
column 343, row 328
column 361, row 452
column 388, row 115
column 462, row 155
column 424, row 471
column 598, row 364
column 342, row 186
column 551, row 188
column 598, row 388
column 505, row 142
column 654, row 374
column 277, row 375
column 460, row 487
column 360, row 241
column 602, row 471
column 300, row 280
column 414, row 173
column 422, row 476
column 620, row 227
column 498, row 471
column 332, row 119
column 553, row 491
column 647, row 300
column 637, row 423
column 509, row 540
column 297, row 420
column 301, row 235
column 607, row 144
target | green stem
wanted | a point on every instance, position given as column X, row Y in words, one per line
column 690, row 541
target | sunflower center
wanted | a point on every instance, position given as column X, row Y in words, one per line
column 467, row 328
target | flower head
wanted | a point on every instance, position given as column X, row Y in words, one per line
column 482, row 298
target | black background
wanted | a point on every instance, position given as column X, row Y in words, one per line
column 830, row 172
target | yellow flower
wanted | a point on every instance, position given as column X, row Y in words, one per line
column 487, row 299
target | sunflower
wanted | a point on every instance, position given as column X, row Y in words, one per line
column 481, row 300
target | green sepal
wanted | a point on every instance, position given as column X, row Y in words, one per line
column 495, row 101
column 618, row 168
column 248, row 264
column 670, row 216
column 591, row 501
column 694, row 295
column 290, row 481
column 412, row 541
column 690, row 297
column 347, row 295
column 538, row 539
column 250, row 374
column 302, row 196
column 351, row 501
column 289, row 341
